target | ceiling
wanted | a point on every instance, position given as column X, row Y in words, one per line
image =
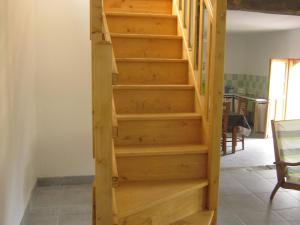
column 242, row 22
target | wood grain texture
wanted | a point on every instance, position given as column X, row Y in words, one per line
column 199, row 218
column 150, row 150
column 216, row 90
column 169, row 211
column 142, row 23
column 286, row 7
column 102, row 121
column 139, row 6
column 162, row 167
column 152, row 71
column 154, row 99
column 147, row 46
column 159, row 129
column 134, row 197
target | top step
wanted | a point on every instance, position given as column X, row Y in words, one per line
column 139, row 6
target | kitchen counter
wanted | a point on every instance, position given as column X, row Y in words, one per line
column 257, row 116
column 257, row 100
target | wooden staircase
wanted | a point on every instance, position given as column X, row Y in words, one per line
column 160, row 156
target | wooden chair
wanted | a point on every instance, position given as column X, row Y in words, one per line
column 286, row 138
column 226, row 110
column 242, row 108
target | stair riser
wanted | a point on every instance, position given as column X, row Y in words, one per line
column 152, row 72
column 141, row 6
column 154, row 101
column 128, row 47
column 169, row 211
column 162, row 167
column 168, row 132
column 142, row 25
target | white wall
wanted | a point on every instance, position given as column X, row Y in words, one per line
column 250, row 53
column 64, row 88
column 235, row 57
column 17, row 108
column 45, row 97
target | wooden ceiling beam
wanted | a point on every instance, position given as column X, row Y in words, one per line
column 284, row 7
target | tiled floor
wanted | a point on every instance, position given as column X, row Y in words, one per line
column 244, row 199
column 257, row 152
column 244, row 195
column 60, row 205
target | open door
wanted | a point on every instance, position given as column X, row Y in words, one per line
column 292, row 110
column 284, row 91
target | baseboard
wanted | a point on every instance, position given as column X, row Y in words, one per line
column 69, row 180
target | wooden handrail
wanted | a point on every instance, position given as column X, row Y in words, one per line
column 209, row 104
column 104, row 73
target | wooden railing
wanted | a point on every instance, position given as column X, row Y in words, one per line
column 104, row 74
column 202, row 25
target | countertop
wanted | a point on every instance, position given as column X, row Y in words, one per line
column 257, row 100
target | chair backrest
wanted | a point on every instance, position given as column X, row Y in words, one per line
column 286, row 139
column 242, row 106
column 286, row 133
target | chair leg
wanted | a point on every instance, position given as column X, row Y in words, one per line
column 243, row 143
column 224, row 147
column 275, row 190
column 234, row 137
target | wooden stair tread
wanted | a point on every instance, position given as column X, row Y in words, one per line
column 140, row 14
column 154, row 87
column 132, row 197
column 155, row 60
column 145, row 36
column 159, row 116
column 124, row 151
column 199, row 218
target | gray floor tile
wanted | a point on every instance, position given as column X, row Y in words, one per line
column 294, row 222
column 260, row 217
column 47, row 197
column 294, row 193
column 282, row 200
column 40, row 220
column 240, row 203
column 75, row 219
column 292, row 214
column 76, row 209
column 77, row 195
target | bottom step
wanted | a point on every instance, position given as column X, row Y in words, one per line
column 200, row 218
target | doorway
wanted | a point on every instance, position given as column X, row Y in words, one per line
column 284, row 91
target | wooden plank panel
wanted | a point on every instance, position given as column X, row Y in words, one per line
column 168, row 132
column 148, row 194
column 157, row 99
column 162, row 167
column 169, row 211
column 147, row 46
column 96, row 22
column 142, row 24
column 135, row 71
column 140, row 6
column 216, row 102
column 102, row 129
